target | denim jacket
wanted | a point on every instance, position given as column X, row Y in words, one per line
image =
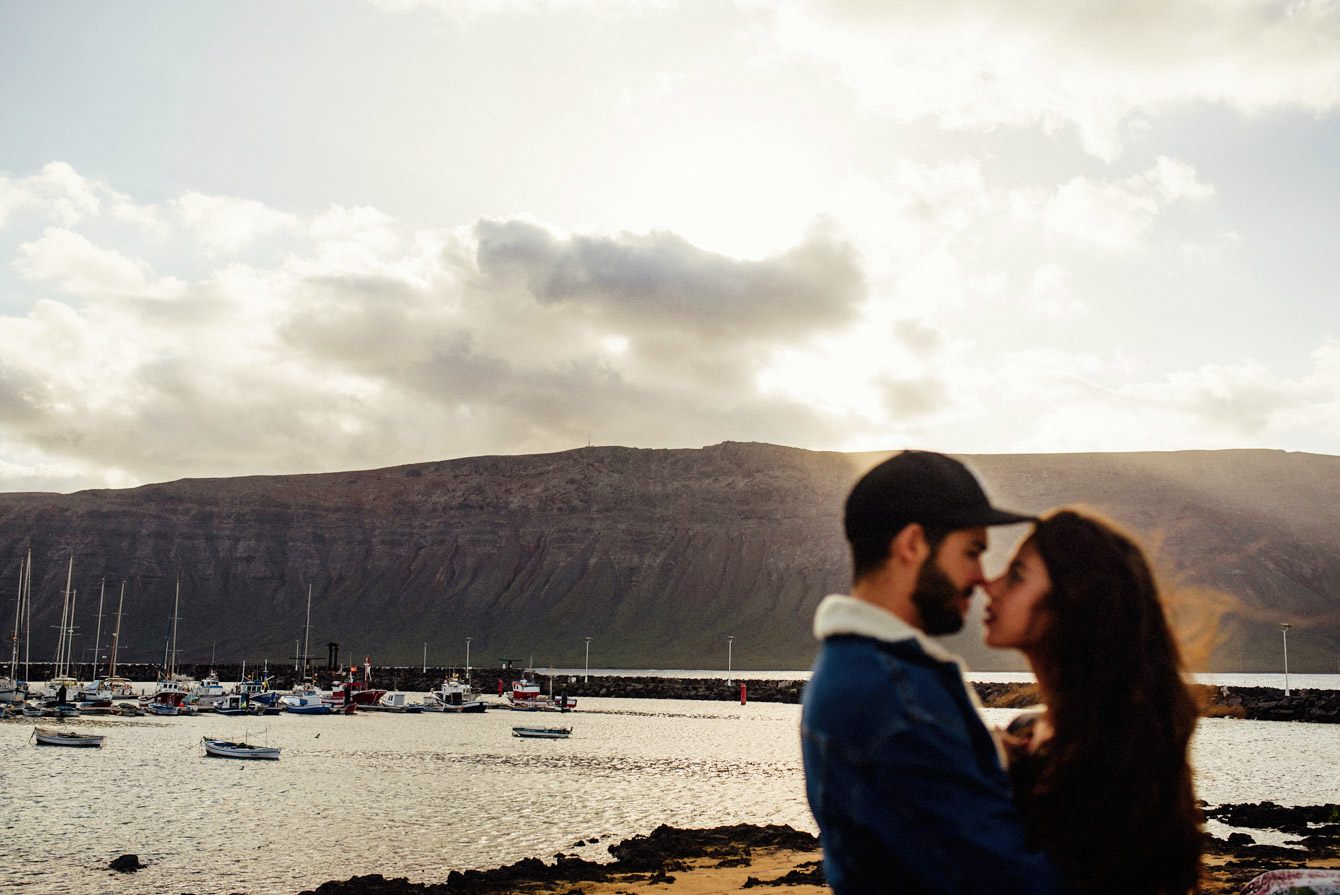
column 905, row 781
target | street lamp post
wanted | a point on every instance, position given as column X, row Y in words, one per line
column 425, row 658
column 730, row 643
column 1284, row 629
column 467, row 656
column 587, row 675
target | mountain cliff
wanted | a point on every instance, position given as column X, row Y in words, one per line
column 657, row 555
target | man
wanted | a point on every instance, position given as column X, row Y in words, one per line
column 903, row 778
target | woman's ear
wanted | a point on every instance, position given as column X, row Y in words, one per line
column 910, row 546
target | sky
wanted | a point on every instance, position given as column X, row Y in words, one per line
column 272, row 238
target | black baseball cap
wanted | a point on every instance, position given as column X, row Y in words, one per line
column 922, row 487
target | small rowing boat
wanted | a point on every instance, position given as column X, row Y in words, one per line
column 46, row 736
column 226, row 749
column 542, row 733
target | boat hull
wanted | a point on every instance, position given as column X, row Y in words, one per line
column 542, row 733
column 226, row 749
column 48, row 737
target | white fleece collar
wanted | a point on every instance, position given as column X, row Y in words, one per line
column 841, row 614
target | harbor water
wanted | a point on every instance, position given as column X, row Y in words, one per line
column 420, row 795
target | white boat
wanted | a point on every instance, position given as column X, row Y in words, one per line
column 226, row 749
column 47, row 736
column 60, row 686
column 236, row 704
column 120, row 687
column 454, row 696
column 396, row 701
column 542, row 733
column 305, row 700
column 99, row 692
column 209, row 692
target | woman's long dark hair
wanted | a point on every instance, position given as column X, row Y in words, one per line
column 1113, row 802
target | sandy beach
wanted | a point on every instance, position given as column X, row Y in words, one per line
column 730, row 859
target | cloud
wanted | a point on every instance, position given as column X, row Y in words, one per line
column 1092, row 66
column 1091, row 403
column 1050, row 292
column 1119, row 215
column 657, row 280
column 363, row 344
column 79, row 266
column 503, row 332
column 223, row 224
column 62, row 195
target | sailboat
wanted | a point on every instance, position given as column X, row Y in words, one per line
column 96, row 695
column 12, row 689
column 119, row 686
column 305, row 697
column 171, row 688
column 61, row 679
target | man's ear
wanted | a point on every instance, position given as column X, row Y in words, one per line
column 910, row 546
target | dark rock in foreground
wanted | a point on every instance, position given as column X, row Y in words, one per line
column 1317, row 828
column 648, row 858
column 126, row 864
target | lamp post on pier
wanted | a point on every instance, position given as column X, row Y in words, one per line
column 730, row 644
column 467, row 656
column 586, row 676
column 1284, row 629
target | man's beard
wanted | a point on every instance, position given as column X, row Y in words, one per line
column 937, row 599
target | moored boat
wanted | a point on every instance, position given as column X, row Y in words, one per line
column 353, row 693
column 396, row 701
column 236, row 704
column 454, row 696
column 209, row 692
column 229, row 749
column 525, row 696
column 305, row 703
column 47, row 736
column 542, row 733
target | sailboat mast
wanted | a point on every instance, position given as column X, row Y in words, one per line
column 28, row 621
column 69, row 648
column 97, row 637
column 64, row 620
column 116, row 634
column 18, row 616
column 172, row 669
column 307, row 631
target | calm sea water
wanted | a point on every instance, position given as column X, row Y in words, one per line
column 421, row 795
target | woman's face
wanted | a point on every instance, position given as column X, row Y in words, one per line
column 1016, row 617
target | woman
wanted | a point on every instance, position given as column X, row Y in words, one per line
column 1101, row 777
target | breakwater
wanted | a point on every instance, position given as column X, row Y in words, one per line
column 1248, row 703
column 1251, row 703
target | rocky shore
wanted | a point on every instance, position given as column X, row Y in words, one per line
column 745, row 856
column 665, row 858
